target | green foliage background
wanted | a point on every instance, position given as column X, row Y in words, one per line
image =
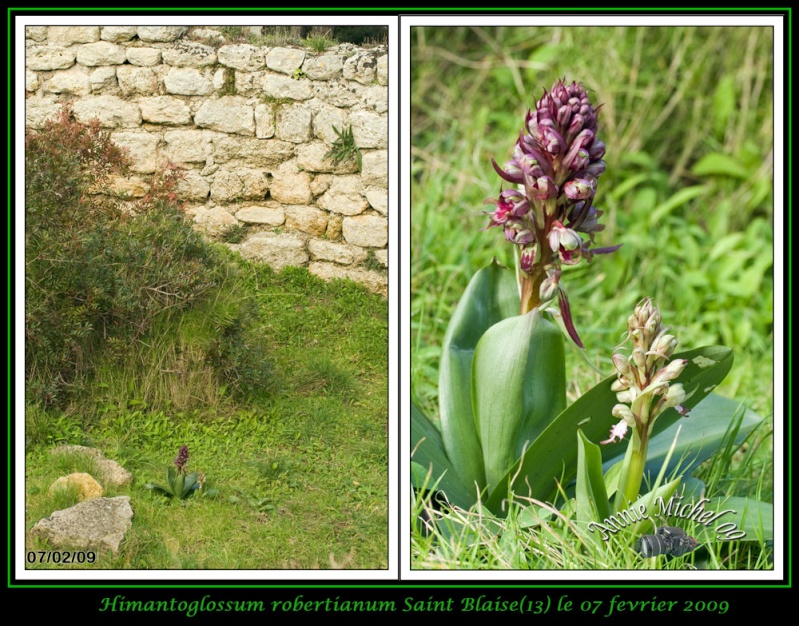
column 687, row 119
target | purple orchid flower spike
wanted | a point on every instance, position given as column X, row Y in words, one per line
column 555, row 166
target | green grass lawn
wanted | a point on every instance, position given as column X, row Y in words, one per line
column 300, row 465
column 687, row 120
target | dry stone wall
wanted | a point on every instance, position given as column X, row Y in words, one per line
column 250, row 126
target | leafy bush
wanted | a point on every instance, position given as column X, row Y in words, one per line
column 97, row 268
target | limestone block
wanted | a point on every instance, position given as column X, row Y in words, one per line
column 164, row 110
column 375, row 168
column 361, row 67
column 101, row 53
column 376, row 97
column 285, row 60
column 369, row 129
column 269, row 213
column 264, row 121
column 378, row 199
column 228, row 114
column 39, row 110
column 307, row 219
column 214, row 221
column 113, row 112
column 186, row 146
column 142, row 148
column 326, row 119
column 382, row 70
column 336, row 252
column 334, row 223
column 323, row 67
column 36, row 33
column 103, row 79
column 161, row 33
column 344, row 196
column 339, row 93
column 382, row 256
column 84, row 484
column 278, row 251
column 31, row 81
column 137, row 80
column 117, row 34
column 69, row 35
column 242, row 57
column 252, row 152
column 311, row 158
column 46, row 58
column 320, row 184
column 254, row 183
column 277, row 86
column 290, row 185
column 247, row 83
column 144, row 57
column 293, row 123
column 374, row 281
column 189, row 54
column 207, row 34
column 193, row 186
column 127, row 186
column 367, row 231
column 74, row 81
column 187, row 81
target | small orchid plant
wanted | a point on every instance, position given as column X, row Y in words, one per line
column 180, row 483
column 505, row 433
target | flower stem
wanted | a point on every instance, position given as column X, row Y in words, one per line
column 632, row 473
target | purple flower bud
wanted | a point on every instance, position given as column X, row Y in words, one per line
column 580, row 188
column 182, row 458
column 527, row 259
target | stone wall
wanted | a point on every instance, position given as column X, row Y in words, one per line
column 249, row 124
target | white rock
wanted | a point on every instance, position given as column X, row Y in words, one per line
column 366, row 231
column 227, row 186
column 36, row 33
column 278, row 251
column 214, row 221
column 361, row 68
column 382, row 70
column 31, row 81
column 344, row 197
column 320, row 184
column 39, row 110
column 112, row 112
column 376, row 97
column 290, row 185
column 144, row 57
column 293, row 123
column 192, row 186
column 326, row 119
column 277, row 86
column 161, row 33
column 382, row 256
column 103, row 79
column 337, row 252
column 101, row 53
column 117, row 34
column 45, row 58
column 339, row 93
column 252, row 152
column 69, row 35
column 187, row 82
column 137, row 80
column 285, row 60
column 311, row 158
column 141, row 147
column 264, row 121
column 323, row 67
column 375, row 168
column 242, row 57
column 378, row 199
column 374, row 281
column 228, row 114
column 306, row 219
column 189, row 54
column 186, row 146
column 369, row 129
column 270, row 213
column 74, row 81
column 164, row 110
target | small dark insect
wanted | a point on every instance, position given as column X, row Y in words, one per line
column 666, row 540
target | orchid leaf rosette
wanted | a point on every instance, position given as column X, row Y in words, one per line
column 505, row 432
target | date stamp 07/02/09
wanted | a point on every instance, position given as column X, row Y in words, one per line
column 59, row 557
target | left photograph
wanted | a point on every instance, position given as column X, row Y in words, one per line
column 205, row 270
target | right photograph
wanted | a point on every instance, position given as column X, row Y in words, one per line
column 592, row 298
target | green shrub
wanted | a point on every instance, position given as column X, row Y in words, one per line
column 96, row 272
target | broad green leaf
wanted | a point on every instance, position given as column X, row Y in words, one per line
column 518, row 387
column 723, row 103
column 188, row 485
column 591, row 495
column 717, row 164
column 553, row 456
column 651, row 505
column 427, row 449
column 702, row 434
column 492, row 295
column 754, row 517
